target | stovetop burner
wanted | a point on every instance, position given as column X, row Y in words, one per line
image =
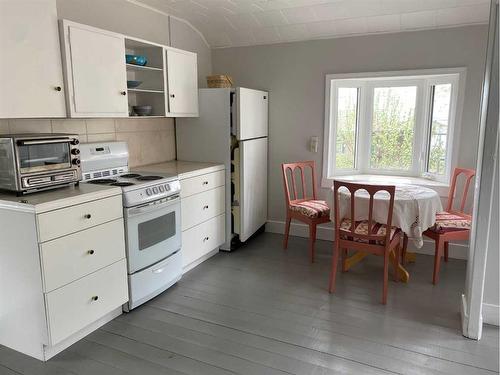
column 122, row 184
column 103, row 181
column 149, row 178
column 130, row 175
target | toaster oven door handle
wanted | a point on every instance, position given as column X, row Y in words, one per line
column 42, row 141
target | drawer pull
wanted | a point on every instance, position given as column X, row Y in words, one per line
column 91, row 252
column 206, row 239
column 87, row 216
column 159, row 270
column 205, row 207
column 95, row 298
column 205, row 182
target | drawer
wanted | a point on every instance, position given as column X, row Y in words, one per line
column 76, row 305
column 202, row 239
column 201, row 207
column 72, row 219
column 198, row 184
column 71, row 257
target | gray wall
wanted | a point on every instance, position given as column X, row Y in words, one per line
column 294, row 73
column 130, row 19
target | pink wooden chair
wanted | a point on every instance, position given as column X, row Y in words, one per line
column 367, row 235
column 299, row 204
column 451, row 225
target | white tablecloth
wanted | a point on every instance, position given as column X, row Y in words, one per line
column 415, row 209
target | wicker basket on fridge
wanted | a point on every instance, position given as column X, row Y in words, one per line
column 219, row 81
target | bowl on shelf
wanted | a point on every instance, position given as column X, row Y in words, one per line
column 136, row 60
column 142, row 110
column 133, row 84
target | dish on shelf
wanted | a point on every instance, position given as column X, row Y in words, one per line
column 136, row 60
column 133, row 84
column 142, row 110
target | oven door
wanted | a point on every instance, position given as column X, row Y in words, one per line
column 153, row 232
column 43, row 155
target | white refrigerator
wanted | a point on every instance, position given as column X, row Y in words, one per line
column 232, row 129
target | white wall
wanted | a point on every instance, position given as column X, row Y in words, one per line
column 294, row 74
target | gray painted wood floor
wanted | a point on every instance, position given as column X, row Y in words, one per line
column 260, row 311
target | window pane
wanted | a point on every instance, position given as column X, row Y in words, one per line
column 347, row 114
column 393, row 125
column 440, row 116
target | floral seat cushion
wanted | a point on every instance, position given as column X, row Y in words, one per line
column 311, row 208
column 361, row 227
column 449, row 222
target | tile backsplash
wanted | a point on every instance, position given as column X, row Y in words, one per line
column 150, row 140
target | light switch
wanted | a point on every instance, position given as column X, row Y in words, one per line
column 313, row 144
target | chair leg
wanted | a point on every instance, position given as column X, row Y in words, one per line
column 395, row 263
column 446, row 251
column 386, row 277
column 312, row 240
column 438, row 253
column 344, row 260
column 287, row 232
column 333, row 271
column 405, row 247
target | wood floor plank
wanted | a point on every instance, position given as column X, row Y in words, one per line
column 154, row 354
column 235, row 348
column 191, row 350
column 370, row 332
column 377, row 355
column 6, row 371
column 26, row 365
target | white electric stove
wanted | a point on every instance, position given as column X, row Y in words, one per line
column 151, row 211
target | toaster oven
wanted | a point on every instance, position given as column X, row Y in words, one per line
column 33, row 162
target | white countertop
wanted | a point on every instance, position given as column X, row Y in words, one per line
column 57, row 198
column 184, row 169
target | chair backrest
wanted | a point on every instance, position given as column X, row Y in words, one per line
column 372, row 190
column 290, row 183
column 469, row 174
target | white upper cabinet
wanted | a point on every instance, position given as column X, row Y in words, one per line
column 31, row 82
column 252, row 112
column 96, row 78
column 182, row 78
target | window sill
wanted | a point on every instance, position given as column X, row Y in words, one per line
column 440, row 187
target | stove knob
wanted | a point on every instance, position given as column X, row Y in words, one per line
column 167, row 187
column 161, row 188
column 155, row 190
column 75, row 161
column 75, row 151
column 148, row 191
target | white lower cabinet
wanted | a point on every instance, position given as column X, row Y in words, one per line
column 203, row 217
column 84, row 301
column 66, row 271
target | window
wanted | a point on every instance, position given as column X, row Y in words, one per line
column 395, row 123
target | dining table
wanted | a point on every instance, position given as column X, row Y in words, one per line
column 414, row 211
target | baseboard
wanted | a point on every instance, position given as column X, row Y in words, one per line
column 325, row 232
column 198, row 261
column 491, row 314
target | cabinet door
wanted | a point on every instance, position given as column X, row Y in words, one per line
column 252, row 109
column 30, row 66
column 182, row 76
column 95, row 72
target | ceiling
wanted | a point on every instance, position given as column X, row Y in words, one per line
column 230, row 23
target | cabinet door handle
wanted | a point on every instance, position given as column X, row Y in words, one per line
column 205, row 207
column 91, row 252
column 123, row 93
column 206, row 239
column 172, row 95
column 95, row 298
column 58, row 88
column 205, row 182
column 87, row 216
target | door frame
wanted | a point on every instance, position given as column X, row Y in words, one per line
column 472, row 299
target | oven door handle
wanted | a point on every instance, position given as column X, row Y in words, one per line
column 151, row 207
column 42, row 141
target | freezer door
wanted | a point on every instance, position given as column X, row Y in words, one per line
column 253, row 186
column 252, row 113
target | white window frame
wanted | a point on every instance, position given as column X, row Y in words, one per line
column 424, row 79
